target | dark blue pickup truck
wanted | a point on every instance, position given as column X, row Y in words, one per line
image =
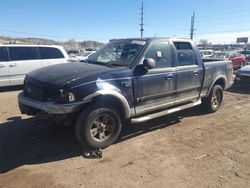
column 136, row 79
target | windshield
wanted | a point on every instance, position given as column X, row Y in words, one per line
column 118, row 53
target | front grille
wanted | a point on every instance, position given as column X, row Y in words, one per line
column 41, row 91
column 34, row 90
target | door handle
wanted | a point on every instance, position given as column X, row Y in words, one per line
column 2, row 66
column 195, row 73
column 169, row 77
column 12, row 65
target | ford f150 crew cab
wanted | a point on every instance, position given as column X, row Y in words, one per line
column 128, row 79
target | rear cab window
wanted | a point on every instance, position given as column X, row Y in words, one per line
column 50, row 53
column 185, row 54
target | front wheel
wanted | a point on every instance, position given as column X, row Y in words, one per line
column 98, row 126
column 213, row 102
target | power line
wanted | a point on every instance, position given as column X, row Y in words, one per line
column 34, row 34
column 51, row 36
column 225, row 31
column 74, row 15
column 228, row 13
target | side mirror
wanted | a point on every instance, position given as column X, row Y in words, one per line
column 149, row 63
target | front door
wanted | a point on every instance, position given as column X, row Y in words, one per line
column 155, row 89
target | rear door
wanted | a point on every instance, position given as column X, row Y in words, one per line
column 23, row 59
column 4, row 68
column 189, row 74
column 155, row 89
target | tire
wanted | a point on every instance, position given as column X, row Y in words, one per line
column 98, row 126
column 213, row 102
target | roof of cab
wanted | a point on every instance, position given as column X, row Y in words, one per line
column 149, row 39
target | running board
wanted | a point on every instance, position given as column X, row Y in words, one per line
column 166, row 112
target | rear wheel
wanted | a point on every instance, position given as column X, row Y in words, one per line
column 213, row 102
column 98, row 126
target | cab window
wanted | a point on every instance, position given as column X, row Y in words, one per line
column 185, row 54
column 160, row 52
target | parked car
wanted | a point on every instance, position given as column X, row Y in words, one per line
column 17, row 60
column 85, row 55
column 132, row 80
column 246, row 53
column 81, row 57
column 238, row 59
column 243, row 74
column 73, row 51
column 207, row 53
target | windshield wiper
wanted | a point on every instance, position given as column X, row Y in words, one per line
column 117, row 64
column 98, row 63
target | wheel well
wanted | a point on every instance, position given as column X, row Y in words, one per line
column 220, row 82
column 110, row 100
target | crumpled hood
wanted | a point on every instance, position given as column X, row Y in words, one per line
column 61, row 74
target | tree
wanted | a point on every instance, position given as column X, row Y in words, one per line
column 204, row 43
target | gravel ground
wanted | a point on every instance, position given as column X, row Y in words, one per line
column 187, row 149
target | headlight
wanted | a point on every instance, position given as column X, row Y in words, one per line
column 71, row 97
column 67, row 96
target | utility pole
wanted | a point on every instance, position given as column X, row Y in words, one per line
column 192, row 26
column 142, row 19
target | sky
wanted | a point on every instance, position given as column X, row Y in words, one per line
column 218, row 21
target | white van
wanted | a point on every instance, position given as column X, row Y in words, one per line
column 17, row 60
column 207, row 53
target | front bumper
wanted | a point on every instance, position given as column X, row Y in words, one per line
column 48, row 107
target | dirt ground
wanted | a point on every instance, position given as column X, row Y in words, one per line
column 187, row 149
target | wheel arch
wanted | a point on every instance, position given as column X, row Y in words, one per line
column 218, row 81
column 113, row 98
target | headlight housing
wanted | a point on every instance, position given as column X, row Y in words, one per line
column 71, row 97
column 67, row 96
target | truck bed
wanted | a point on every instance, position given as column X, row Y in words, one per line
column 216, row 68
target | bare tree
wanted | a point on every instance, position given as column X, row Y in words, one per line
column 204, row 43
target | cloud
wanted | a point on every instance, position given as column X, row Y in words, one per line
column 221, row 38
